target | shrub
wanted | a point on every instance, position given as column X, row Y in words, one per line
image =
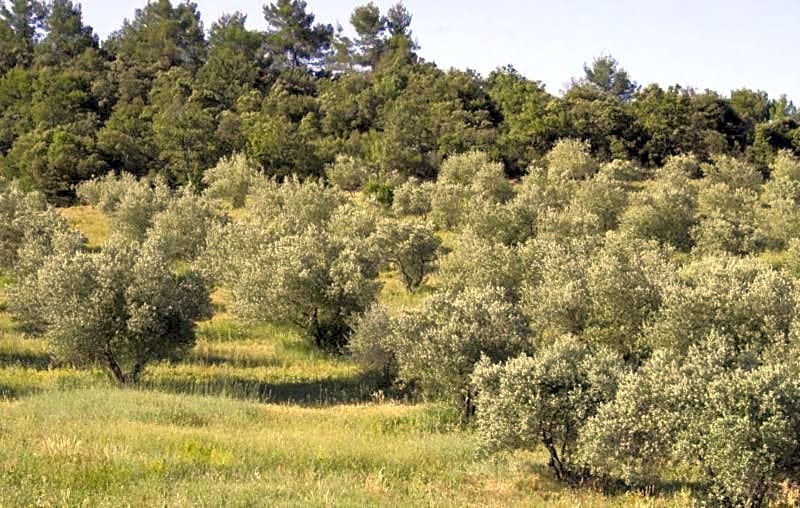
column 347, row 173
column 544, row 399
column 122, row 307
column 570, row 159
column 438, row 345
column 312, row 280
column 380, row 191
column 231, row 179
column 410, row 247
column 412, row 198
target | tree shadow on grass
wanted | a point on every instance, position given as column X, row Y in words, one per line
column 26, row 359
column 306, row 393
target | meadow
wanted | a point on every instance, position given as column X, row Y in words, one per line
column 254, row 416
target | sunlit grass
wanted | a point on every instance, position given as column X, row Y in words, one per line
column 89, row 221
column 101, row 447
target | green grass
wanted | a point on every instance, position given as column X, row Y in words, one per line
column 254, row 416
column 113, row 447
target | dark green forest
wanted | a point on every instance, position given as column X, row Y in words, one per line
column 169, row 94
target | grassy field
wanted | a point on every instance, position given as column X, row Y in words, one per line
column 253, row 417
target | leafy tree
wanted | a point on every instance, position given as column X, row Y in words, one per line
column 231, row 179
column 411, row 247
column 347, row 173
column 544, row 399
column 311, row 280
column 570, row 159
column 438, row 346
column 122, row 307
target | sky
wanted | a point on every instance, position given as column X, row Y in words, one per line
column 720, row 45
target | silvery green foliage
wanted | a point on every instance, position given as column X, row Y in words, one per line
column 30, row 230
column 493, row 221
column 664, row 210
column 622, row 171
column 410, row 247
column 311, row 279
column 624, row 281
column 716, row 413
column 129, row 203
column 779, row 215
column 121, row 307
column 571, row 159
column 371, row 344
column 602, row 197
column 438, row 345
column 231, row 179
column 746, row 438
column 555, row 295
column 491, row 184
column 355, row 222
column 180, row 230
column 347, row 173
column 732, row 172
column 448, row 202
column 537, row 197
column 684, row 164
column 461, row 169
column 726, row 220
column 105, row 192
column 291, row 206
column 544, row 399
column 575, row 221
column 465, row 177
column 475, row 262
column 741, row 297
column 413, row 197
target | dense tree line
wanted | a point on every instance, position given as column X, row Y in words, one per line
column 164, row 96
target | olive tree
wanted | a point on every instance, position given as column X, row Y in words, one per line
column 312, row 280
column 411, row 247
column 438, row 345
column 130, row 204
column 412, row 197
column 726, row 418
column 180, row 230
column 664, row 210
column 30, row 230
column 232, row 179
column 571, row 159
column 544, row 399
column 347, row 173
column 122, row 307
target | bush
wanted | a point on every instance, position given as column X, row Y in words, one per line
column 438, row 345
column 410, row 247
column 312, row 280
column 412, row 198
column 571, row 159
column 664, row 211
column 231, row 179
column 379, row 191
column 544, row 399
column 30, row 230
column 347, row 173
column 122, row 307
